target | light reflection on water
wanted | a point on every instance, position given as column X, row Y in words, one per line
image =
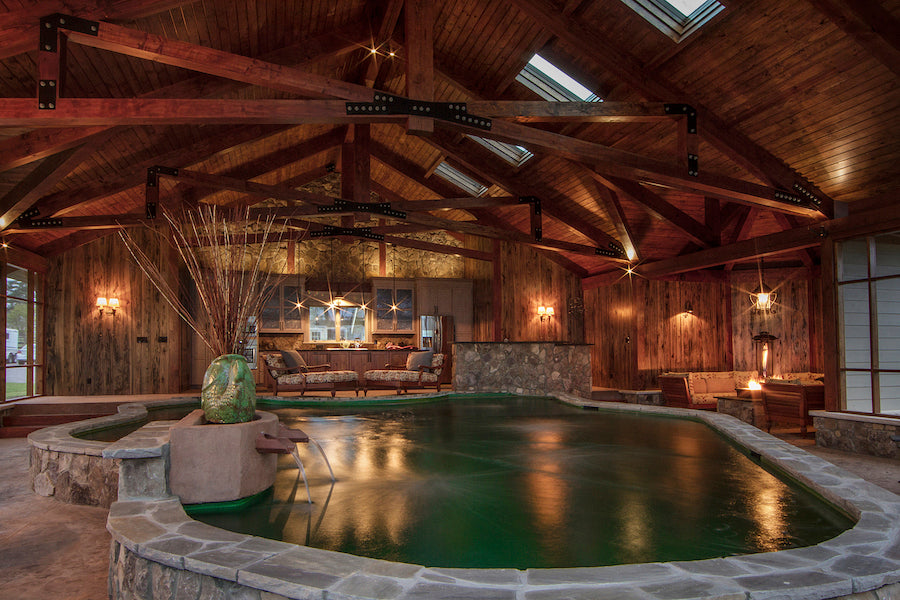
column 528, row 483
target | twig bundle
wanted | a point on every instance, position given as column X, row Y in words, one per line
column 215, row 245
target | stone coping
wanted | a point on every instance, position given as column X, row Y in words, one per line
column 842, row 416
column 60, row 438
column 864, row 558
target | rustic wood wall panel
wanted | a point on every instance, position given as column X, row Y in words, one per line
column 792, row 323
column 529, row 280
column 610, row 324
column 641, row 328
column 87, row 353
column 481, row 273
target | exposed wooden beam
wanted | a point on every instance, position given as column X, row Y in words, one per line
column 655, row 86
column 808, row 236
column 44, row 177
column 130, row 42
column 439, row 248
column 419, row 28
column 34, row 145
column 390, row 15
column 606, row 160
column 566, row 212
column 609, row 201
column 19, row 29
column 61, row 203
column 522, row 111
column 693, row 229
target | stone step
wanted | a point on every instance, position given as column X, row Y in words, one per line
column 606, row 395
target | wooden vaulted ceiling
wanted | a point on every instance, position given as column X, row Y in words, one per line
column 248, row 100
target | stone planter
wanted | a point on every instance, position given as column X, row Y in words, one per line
column 211, row 462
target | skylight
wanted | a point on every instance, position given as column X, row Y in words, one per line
column 676, row 18
column 552, row 83
column 514, row 155
column 460, row 179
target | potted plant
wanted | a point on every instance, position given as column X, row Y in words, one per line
column 222, row 250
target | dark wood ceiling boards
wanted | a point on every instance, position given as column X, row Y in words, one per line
column 789, row 92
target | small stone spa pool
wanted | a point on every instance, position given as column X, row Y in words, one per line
column 520, row 482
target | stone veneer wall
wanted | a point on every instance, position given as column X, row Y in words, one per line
column 74, row 478
column 857, row 433
column 530, row 368
column 73, row 470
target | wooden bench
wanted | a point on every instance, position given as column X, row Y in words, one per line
column 791, row 403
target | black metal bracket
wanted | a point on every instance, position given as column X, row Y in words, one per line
column 684, row 109
column 47, row 94
column 42, row 223
column 332, row 231
column 153, row 174
column 788, row 198
column 51, row 23
column 386, row 104
column 693, row 165
column 536, row 229
column 807, row 194
column 378, row 208
column 30, row 213
column 615, row 250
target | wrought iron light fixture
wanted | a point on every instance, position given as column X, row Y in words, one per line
column 545, row 312
column 763, row 299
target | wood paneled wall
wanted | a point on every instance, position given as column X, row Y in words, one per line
column 797, row 321
column 527, row 279
column 641, row 328
column 87, row 353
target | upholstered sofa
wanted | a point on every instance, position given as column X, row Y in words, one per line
column 422, row 369
column 302, row 377
column 699, row 389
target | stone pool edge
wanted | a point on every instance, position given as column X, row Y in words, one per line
column 158, row 551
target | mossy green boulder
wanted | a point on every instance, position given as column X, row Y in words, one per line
column 228, row 394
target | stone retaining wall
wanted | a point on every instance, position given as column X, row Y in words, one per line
column 73, row 470
column 857, row 433
column 526, row 368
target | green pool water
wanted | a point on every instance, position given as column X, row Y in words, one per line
column 527, row 483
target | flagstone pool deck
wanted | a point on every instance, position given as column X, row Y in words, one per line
column 160, row 552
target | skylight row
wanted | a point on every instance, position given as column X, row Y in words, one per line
column 460, row 179
column 676, row 18
column 552, row 84
column 514, row 155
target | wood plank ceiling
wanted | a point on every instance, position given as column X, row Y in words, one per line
column 791, row 95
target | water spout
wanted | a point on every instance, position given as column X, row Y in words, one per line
column 299, row 462
column 327, row 463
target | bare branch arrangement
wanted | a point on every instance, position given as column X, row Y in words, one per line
column 222, row 250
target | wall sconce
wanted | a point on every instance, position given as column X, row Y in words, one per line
column 763, row 300
column 688, row 309
column 545, row 312
column 107, row 305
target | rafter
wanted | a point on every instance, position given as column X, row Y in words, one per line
column 656, row 86
column 20, row 27
column 693, row 229
column 44, row 177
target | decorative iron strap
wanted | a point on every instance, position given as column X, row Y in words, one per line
column 332, row 231
column 51, row 23
column 378, row 208
column 614, row 251
column 684, row 109
column 386, row 104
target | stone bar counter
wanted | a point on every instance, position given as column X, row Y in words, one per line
column 528, row 368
